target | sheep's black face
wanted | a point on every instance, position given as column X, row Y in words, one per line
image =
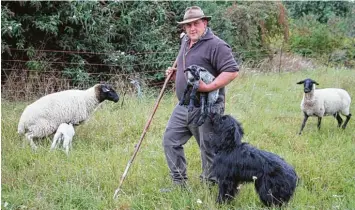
column 308, row 84
column 107, row 93
column 193, row 73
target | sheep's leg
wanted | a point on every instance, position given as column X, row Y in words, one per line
column 192, row 97
column 71, row 144
column 55, row 140
column 339, row 119
column 346, row 121
column 212, row 98
column 66, row 144
column 304, row 122
column 319, row 122
column 209, row 103
column 29, row 137
column 204, row 111
column 184, row 95
column 209, row 107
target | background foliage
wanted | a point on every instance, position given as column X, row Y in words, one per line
column 118, row 34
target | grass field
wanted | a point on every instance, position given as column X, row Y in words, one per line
column 268, row 105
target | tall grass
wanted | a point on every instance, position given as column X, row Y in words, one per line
column 268, row 105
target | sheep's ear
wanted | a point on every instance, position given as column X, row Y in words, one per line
column 315, row 82
column 300, row 82
column 105, row 89
column 182, row 35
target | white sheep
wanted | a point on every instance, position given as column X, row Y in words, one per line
column 42, row 117
column 322, row 102
column 65, row 134
column 194, row 75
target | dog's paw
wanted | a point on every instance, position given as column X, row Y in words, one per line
column 219, row 200
column 222, row 200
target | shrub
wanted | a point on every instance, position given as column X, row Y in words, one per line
column 310, row 37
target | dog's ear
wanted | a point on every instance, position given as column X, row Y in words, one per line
column 228, row 136
column 238, row 135
column 239, row 132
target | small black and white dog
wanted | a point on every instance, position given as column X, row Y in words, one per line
column 236, row 162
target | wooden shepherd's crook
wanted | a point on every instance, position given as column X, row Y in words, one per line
column 143, row 134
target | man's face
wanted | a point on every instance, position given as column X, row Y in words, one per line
column 194, row 30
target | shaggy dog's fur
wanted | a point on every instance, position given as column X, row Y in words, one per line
column 236, row 162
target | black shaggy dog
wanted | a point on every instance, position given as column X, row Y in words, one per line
column 236, row 162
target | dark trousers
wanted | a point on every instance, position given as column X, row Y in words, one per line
column 181, row 127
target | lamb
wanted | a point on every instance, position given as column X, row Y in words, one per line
column 64, row 133
column 322, row 102
column 42, row 117
column 194, row 75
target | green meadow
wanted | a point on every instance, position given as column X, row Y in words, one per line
column 267, row 104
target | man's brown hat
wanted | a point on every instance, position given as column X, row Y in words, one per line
column 192, row 14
